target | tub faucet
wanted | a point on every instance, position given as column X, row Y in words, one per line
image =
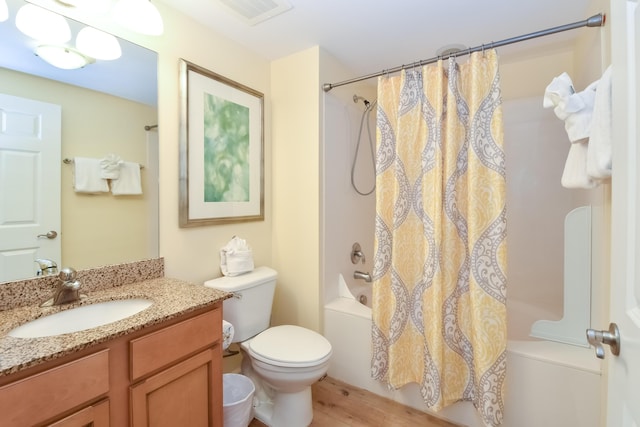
column 67, row 290
column 357, row 254
column 47, row 267
column 361, row 275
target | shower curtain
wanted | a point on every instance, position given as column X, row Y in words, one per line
column 439, row 290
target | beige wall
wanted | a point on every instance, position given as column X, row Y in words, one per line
column 296, row 182
column 289, row 237
column 193, row 253
column 96, row 229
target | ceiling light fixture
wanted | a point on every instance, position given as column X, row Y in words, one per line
column 4, row 11
column 42, row 24
column 63, row 57
column 91, row 6
column 139, row 16
column 98, row 44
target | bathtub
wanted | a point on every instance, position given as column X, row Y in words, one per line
column 548, row 384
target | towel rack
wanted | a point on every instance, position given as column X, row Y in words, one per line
column 68, row 161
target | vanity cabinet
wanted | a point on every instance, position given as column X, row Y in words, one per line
column 96, row 415
column 67, row 387
column 169, row 374
column 183, row 393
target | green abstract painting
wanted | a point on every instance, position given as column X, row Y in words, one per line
column 226, row 150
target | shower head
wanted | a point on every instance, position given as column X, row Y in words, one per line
column 357, row 98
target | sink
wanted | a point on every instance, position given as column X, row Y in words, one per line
column 80, row 318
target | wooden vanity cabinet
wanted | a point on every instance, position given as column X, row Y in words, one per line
column 58, row 390
column 96, row 415
column 164, row 375
column 184, row 393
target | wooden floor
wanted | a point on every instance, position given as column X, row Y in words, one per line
column 336, row 404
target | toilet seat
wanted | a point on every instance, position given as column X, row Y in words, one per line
column 290, row 346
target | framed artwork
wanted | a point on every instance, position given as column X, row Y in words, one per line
column 221, row 149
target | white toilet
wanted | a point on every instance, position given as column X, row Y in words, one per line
column 282, row 361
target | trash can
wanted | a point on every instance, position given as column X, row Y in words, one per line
column 237, row 400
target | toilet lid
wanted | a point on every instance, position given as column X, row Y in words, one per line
column 290, row 345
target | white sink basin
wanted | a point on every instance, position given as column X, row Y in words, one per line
column 80, row 318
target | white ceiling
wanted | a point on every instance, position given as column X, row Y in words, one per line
column 369, row 36
column 133, row 76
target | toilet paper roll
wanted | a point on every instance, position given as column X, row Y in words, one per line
column 227, row 334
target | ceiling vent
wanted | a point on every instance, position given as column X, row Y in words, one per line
column 255, row 11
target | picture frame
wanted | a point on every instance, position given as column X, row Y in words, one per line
column 221, row 149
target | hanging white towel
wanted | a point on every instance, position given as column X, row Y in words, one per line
column 87, row 176
column 599, row 152
column 110, row 166
column 575, row 168
column 129, row 181
column 576, row 109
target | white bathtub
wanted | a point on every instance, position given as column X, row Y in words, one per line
column 548, row 384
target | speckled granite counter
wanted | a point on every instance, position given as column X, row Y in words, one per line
column 171, row 298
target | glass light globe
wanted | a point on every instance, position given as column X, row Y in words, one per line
column 42, row 24
column 139, row 16
column 4, row 11
column 98, row 44
column 90, row 6
column 62, row 56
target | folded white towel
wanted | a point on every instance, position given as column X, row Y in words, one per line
column 87, row 176
column 599, row 152
column 129, row 181
column 575, row 108
column 236, row 257
column 110, row 166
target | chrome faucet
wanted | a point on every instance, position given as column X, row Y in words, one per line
column 361, row 275
column 47, row 267
column 67, row 290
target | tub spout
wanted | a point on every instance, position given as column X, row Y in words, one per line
column 361, row 275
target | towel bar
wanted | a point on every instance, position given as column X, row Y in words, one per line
column 70, row 161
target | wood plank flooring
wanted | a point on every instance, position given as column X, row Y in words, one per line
column 336, row 404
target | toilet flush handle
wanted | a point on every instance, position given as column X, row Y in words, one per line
column 610, row 337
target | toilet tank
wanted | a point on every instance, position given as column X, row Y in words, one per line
column 249, row 310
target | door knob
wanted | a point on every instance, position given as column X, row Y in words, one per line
column 610, row 337
column 50, row 235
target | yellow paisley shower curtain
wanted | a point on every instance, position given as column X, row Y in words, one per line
column 439, row 290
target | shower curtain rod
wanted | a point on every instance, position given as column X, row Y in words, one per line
column 594, row 21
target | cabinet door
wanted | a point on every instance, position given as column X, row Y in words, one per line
column 94, row 416
column 47, row 395
column 186, row 394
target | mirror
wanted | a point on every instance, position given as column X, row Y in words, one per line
column 105, row 108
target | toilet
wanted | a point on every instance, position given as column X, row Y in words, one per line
column 282, row 361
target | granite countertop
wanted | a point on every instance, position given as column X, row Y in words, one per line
column 171, row 298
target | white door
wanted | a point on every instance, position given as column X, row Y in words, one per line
column 623, row 386
column 30, row 162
